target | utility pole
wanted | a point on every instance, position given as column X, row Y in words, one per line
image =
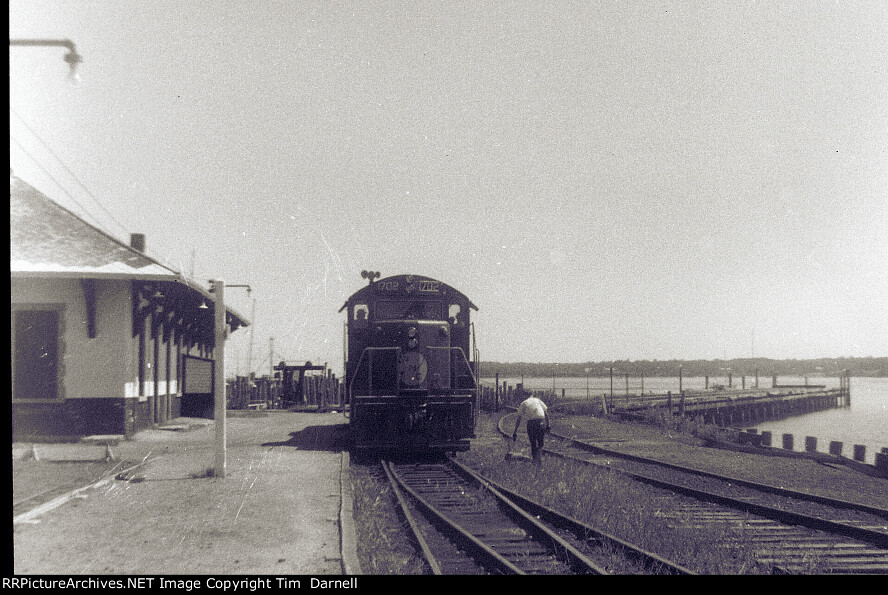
column 250, row 350
column 270, row 358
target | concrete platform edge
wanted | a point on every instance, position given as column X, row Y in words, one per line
column 348, row 536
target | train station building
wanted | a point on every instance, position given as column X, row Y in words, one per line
column 105, row 340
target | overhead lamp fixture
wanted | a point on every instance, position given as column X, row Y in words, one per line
column 72, row 57
column 203, row 305
column 212, row 289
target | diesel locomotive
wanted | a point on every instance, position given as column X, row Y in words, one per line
column 411, row 365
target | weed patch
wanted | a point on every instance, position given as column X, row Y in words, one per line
column 384, row 545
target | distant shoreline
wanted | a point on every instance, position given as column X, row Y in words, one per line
column 869, row 367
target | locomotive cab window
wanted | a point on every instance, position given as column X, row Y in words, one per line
column 408, row 310
column 454, row 314
column 362, row 315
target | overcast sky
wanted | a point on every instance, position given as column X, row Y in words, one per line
column 605, row 180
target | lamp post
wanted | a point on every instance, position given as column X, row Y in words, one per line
column 217, row 288
column 72, row 57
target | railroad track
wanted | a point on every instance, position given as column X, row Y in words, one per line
column 465, row 524
column 790, row 531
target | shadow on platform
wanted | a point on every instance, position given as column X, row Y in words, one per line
column 327, row 438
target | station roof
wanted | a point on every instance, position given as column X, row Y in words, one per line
column 48, row 240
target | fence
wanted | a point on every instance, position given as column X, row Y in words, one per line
column 495, row 398
column 320, row 391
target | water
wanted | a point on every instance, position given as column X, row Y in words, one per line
column 864, row 422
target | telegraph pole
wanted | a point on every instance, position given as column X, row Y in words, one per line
column 250, row 350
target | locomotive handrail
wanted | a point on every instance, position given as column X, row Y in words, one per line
column 468, row 367
column 370, row 374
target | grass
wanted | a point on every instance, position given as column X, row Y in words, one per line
column 615, row 504
column 603, row 499
column 384, row 545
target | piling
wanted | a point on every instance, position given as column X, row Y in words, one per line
column 859, row 452
column 496, row 395
column 882, row 462
column 810, row 444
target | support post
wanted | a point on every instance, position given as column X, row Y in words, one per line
column 219, row 379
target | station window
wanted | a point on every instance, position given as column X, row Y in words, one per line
column 36, row 354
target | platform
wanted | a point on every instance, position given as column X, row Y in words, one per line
column 283, row 507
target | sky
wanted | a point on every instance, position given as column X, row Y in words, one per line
column 604, row 180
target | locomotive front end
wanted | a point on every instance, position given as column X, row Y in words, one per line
column 410, row 385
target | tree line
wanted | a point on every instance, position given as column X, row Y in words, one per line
column 764, row 367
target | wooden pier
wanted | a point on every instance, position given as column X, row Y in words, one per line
column 725, row 407
column 746, row 409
